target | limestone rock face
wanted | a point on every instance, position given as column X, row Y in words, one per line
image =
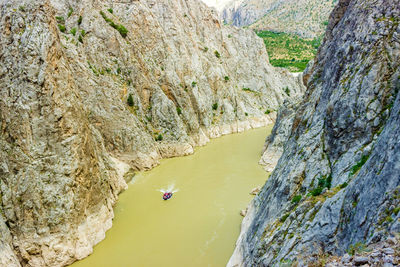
column 337, row 182
column 302, row 17
column 274, row 145
column 91, row 91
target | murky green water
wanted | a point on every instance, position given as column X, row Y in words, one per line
column 199, row 225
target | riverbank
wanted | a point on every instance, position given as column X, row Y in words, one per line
column 200, row 224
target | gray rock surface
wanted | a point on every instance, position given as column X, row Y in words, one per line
column 306, row 18
column 342, row 157
column 372, row 255
column 274, row 144
column 69, row 140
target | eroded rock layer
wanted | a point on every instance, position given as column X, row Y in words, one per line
column 337, row 182
column 93, row 90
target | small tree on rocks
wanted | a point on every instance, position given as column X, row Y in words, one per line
column 130, row 100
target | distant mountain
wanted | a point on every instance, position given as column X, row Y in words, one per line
column 306, row 18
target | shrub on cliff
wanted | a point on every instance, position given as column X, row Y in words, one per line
column 296, row 199
column 130, row 100
column 60, row 19
column 287, row 91
column 159, row 137
column 71, row 10
column 119, row 27
column 61, row 27
column 122, row 30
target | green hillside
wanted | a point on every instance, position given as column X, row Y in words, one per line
column 289, row 50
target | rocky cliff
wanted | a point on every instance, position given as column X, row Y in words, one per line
column 337, row 183
column 302, row 17
column 92, row 91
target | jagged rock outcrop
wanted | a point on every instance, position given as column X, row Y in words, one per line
column 302, row 17
column 337, row 182
column 274, row 143
column 91, row 91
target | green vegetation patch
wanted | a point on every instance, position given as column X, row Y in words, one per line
column 296, row 199
column 61, row 27
column 71, row 10
column 159, row 138
column 130, row 100
column 60, row 19
column 287, row 90
column 396, row 210
column 284, row 217
column 323, row 182
column 359, row 164
column 248, row 90
column 356, row 248
column 289, row 50
column 119, row 27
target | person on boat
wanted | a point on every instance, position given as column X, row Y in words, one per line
column 167, row 195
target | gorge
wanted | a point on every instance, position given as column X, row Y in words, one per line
column 198, row 226
column 94, row 92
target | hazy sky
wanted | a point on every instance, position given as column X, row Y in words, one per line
column 218, row 4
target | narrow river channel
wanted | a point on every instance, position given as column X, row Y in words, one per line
column 199, row 225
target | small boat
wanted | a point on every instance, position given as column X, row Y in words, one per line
column 167, row 195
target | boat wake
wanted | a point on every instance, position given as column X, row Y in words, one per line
column 170, row 189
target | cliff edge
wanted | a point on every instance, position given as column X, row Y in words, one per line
column 337, row 182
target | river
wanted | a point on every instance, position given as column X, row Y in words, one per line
column 199, row 225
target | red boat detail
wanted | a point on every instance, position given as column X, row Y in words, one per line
column 167, row 195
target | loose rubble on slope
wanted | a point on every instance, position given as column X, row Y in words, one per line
column 385, row 253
